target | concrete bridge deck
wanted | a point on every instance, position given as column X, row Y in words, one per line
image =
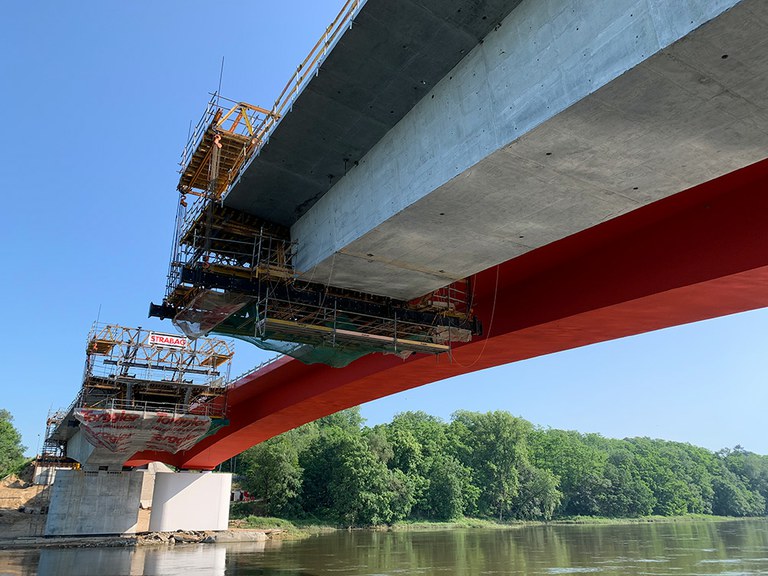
column 497, row 127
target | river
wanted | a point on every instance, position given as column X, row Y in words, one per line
column 682, row 549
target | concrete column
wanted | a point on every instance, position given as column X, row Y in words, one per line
column 190, row 501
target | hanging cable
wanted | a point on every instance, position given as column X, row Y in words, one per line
column 490, row 326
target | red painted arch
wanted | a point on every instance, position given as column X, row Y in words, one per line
column 699, row 254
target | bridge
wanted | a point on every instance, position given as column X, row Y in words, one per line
column 446, row 186
column 697, row 255
column 584, row 174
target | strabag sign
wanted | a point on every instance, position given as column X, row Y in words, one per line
column 167, row 340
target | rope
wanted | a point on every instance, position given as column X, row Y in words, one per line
column 490, row 326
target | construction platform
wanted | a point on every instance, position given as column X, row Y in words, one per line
column 141, row 390
column 233, row 272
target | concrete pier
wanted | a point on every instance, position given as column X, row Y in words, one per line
column 105, row 502
column 88, row 503
column 190, row 501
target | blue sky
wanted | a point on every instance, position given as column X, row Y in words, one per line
column 97, row 100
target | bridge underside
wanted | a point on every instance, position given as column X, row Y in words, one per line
column 393, row 55
column 698, row 254
column 565, row 116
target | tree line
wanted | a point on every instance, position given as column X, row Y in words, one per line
column 490, row 465
column 11, row 449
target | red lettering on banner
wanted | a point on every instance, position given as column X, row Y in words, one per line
column 167, row 340
column 129, row 431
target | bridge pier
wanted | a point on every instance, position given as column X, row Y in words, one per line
column 190, row 501
column 96, row 502
column 105, row 502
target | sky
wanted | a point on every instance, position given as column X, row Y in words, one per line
column 97, row 100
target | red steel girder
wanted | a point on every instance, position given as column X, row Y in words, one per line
column 699, row 254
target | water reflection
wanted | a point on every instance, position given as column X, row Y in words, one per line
column 685, row 548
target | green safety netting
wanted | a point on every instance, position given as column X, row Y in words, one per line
column 336, row 343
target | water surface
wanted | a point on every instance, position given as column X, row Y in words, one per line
column 681, row 549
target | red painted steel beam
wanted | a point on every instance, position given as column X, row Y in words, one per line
column 699, row 254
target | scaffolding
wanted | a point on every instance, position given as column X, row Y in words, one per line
column 232, row 273
column 220, row 144
column 137, row 369
column 52, row 450
column 141, row 390
column 243, row 284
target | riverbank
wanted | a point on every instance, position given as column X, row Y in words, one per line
column 181, row 537
column 299, row 528
column 683, row 548
column 262, row 529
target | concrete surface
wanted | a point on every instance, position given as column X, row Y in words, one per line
column 190, row 501
column 45, row 475
column 558, row 121
column 84, row 503
column 395, row 52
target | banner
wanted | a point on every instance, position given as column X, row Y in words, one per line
column 128, row 431
column 167, row 340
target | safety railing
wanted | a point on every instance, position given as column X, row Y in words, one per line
column 311, row 63
column 196, row 408
column 260, row 123
column 197, row 134
column 259, row 367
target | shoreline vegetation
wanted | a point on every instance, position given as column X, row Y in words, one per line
column 419, row 473
column 492, row 466
column 297, row 529
column 264, row 529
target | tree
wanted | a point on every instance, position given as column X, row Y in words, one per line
column 420, row 450
column 349, row 420
column 346, row 477
column 749, row 467
column 538, row 497
column 273, row 474
column 626, row 494
column 678, row 475
column 579, row 465
column 11, row 449
column 733, row 497
column 494, row 446
column 450, row 493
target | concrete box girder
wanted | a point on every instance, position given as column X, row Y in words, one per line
column 558, row 121
column 395, row 52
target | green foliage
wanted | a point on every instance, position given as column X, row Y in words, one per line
column 491, row 466
column 11, row 449
column 451, row 493
column 745, row 478
column 267, row 523
column 580, row 467
column 538, row 497
column 494, row 446
column 273, row 474
column 626, row 493
column 346, row 476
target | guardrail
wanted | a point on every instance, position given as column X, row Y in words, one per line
column 257, row 368
column 263, row 128
column 197, row 409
